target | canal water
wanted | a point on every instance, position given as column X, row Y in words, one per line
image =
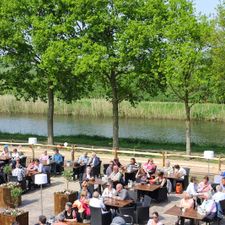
column 171, row 131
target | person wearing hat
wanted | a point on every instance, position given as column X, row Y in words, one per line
column 109, row 191
column 71, row 215
column 118, row 220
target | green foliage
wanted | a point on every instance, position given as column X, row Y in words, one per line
column 16, row 192
column 218, row 53
column 68, row 175
column 187, row 61
column 7, row 169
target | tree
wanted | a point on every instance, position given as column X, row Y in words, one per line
column 187, row 59
column 218, row 54
column 125, row 40
column 40, row 52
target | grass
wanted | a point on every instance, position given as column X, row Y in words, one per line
column 145, row 145
column 101, row 108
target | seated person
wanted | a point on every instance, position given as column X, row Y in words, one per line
column 219, row 195
column 58, row 161
column 223, row 184
column 38, row 166
column 208, row 208
column 116, row 175
column 83, row 159
column 109, row 191
column 192, row 188
column 82, row 205
column 116, row 162
column 44, row 157
column 149, row 167
column 142, row 176
column 84, row 187
column 6, row 153
column 109, row 169
column 15, row 154
column 60, row 218
column 179, row 172
column 87, row 174
column 168, row 169
column 132, row 166
column 94, row 160
column 160, row 179
column 31, row 167
column 96, row 202
column 19, row 171
column 154, row 219
column 121, row 193
column 204, row 186
column 71, row 215
column 185, row 203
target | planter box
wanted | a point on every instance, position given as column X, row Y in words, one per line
column 22, row 219
column 61, row 199
column 6, row 199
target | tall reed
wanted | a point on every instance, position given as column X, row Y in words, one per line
column 101, row 108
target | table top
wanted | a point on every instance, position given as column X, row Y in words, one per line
column 76, row 223
column 145, row 187
column 189, row 213
column 116, row 203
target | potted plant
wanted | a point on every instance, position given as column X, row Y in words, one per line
column 6, row 191
column 8, row 216
column 7, row 170
column 61, row 197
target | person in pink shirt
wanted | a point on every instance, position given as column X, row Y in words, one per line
column 44, row 157
column 149, row 166
column 204, row 186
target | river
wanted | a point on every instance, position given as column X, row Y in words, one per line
column 154, row 130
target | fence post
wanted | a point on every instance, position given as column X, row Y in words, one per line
column 72, row 153
column 219, row 164
column 115, row 151
column 163, row 158
column 33, row 154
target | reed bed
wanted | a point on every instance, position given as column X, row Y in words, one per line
column 101, row 108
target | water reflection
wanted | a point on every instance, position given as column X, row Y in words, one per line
column 155, row 130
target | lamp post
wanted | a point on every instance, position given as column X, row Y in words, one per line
column 32, row 141
column 41, row 179
column 208, row 155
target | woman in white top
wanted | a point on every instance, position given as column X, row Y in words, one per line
column 192, row 187
column 109, row 191
column 154, row 219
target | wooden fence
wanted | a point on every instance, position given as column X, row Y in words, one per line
column 137, row 152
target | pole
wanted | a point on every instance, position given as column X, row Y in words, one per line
column 41, row 202
column 208, row 167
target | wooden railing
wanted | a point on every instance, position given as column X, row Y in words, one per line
column 137, row 152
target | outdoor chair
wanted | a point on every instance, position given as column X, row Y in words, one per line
column 142, row 214
column 128, row 211
column 133, row 195
column 99, row 218
column 105, row 166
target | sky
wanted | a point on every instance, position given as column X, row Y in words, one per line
column 206, row 6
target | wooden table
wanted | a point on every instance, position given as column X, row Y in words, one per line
column 76, row 223
column 115, row 203
column 189, row 213
column 145, row 187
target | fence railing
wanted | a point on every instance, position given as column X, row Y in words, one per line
column 164, row 155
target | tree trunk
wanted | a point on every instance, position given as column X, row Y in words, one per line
column 188, row 128
column 50, row 116
column 115, row 111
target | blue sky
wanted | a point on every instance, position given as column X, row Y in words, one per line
column 206, row 6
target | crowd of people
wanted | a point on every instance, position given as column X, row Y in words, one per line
column 201, row 196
